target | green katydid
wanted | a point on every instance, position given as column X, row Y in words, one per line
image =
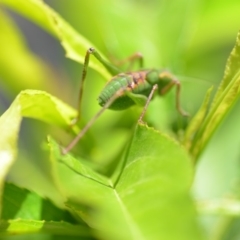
column 127, row 89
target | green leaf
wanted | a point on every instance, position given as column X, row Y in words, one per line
column 45, row 107
column 197, row 120
column 33, row 104
column 30, row 103
column 20, row 203
column 74, row 44
column 21, row 226
column 81, row 168
column 224, row 100
column 231, row 70
column 149, row 199
column 9, row 128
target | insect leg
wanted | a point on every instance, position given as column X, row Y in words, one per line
column 131, row 60
column 90, row 123
column 173, row 82
column 147, row 102
column 178, row 106
column 111, row 69
column 83, row 77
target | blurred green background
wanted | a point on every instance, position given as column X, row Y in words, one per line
column 191, row 38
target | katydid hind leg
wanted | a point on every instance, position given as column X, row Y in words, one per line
column 73, row 143
column 178, row 105
column 173, row 82
column 112, row 69
column 80, row 94
column 136, row 57
column 133, row 58
column 147, row 102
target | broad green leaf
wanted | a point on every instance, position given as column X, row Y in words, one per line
column 74, row 44
column 45, row 107
column 226, row 97
column 21, row 203
column 30, row 103
column 21, row 226
column 149, row 199
column 80, row 168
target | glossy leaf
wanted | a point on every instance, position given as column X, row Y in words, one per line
column 21, row 226
column 24, row 212
column 20, row 203
column 148, row 200
column 34, row 104
column 45, row 107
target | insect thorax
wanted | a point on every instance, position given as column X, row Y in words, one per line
column 125, row 82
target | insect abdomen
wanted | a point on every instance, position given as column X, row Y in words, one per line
column 126, row 82
column 116, row 84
